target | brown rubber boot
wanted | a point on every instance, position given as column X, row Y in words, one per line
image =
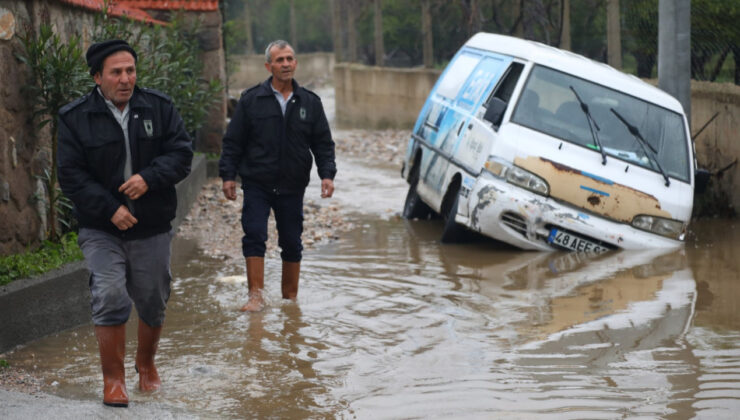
column 112, row 345
column 145, row 351
column 255, row 283
column 291, row 272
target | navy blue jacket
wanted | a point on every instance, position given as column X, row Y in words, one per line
column 91, row 156
column 274, row 152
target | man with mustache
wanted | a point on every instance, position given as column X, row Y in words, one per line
column 276, row 128
column 121, row 151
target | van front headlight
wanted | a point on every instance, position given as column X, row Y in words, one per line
column 517, row 176
column 674, row 229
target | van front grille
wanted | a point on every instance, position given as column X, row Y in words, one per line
column 515, row 221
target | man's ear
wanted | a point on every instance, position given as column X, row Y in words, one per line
column 267, row 67
column 97, row 78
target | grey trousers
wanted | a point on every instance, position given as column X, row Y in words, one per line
column 122, row 271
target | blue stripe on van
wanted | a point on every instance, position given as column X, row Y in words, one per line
column 598, row 178
column 606, row 194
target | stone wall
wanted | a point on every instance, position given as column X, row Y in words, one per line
column 717, row 146
column 24, row 151
column 249, row 70
column 378, row 97
column 374, row 97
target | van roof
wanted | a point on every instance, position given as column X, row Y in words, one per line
column 575, row 64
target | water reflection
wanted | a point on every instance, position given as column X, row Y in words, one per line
column 390, row 324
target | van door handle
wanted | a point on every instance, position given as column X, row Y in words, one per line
column 460, row 128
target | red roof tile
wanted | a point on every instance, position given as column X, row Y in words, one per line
column 193, row 5
column 115, row 9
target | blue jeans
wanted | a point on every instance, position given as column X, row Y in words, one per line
column 288, row 209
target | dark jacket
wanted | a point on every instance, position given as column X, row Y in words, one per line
column 91, row 156
column 272, row 151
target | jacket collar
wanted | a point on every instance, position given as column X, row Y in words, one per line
column 97, row 102
column 266, row 88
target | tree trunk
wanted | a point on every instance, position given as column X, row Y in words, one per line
column 516, row 12
column 736, row 56
column 336, row 29
column 475, row 19
column 293, row 30
column 427, row 34
column 352, row 31
column 645, row 64
column 613, row 34
column 379, row 47
column 52, row 186
column 248, row 27
column 565, row 27
column 720, row 63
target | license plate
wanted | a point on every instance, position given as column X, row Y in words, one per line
column 574, row 242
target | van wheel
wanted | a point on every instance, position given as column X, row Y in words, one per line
column 453, row 232
column 413, row 207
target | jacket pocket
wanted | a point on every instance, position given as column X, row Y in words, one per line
column 264, row 139
column 105, row 154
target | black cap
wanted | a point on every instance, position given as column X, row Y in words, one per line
column 97, row 53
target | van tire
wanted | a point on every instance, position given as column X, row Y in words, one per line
column 413, row 206
column 453, row 232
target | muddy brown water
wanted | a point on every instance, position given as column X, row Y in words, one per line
column 391, row 324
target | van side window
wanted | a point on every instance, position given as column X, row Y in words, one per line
column 448, row 89
column 504, row 90
column 456, row 74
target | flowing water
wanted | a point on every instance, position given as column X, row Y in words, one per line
column 392, row 324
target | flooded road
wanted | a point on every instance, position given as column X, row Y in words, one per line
column 390, row 323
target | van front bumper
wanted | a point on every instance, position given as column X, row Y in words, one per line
column 524, row 219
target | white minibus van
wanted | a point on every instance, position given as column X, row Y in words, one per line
column 545, row 149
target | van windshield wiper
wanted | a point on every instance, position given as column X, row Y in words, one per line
column 591, row 121
column 650, row 151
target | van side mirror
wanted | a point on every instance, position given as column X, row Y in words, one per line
column 701, row 179
column 495, row 111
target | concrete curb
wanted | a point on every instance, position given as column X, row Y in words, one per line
column 60, row 299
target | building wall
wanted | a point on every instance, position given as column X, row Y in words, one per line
column 717, row 146
column 374, row 97
column 377, row 97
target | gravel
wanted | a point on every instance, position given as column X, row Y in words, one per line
column 15, row 379
column 214, row 222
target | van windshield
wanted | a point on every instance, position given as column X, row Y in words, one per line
column 549, row 105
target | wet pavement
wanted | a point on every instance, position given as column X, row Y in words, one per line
column 390, row 323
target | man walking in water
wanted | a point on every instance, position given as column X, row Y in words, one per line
column 276, row 127
column 122, row 149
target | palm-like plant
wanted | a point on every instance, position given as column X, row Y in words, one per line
column 58, row 76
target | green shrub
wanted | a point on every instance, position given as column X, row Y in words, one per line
column 57, row 77
column 168, row 60
column 49, row 256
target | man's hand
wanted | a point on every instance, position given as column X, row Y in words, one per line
column 123, row 219
column 135, row 187
column 327, row 188
column 229, row 189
